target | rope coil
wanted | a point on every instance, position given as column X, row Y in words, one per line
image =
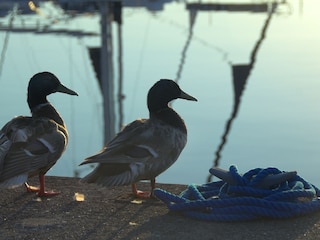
column 259, row 193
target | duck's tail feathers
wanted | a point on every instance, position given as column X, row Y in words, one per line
column 5, row 145
column 99, row 177
column 14, row 181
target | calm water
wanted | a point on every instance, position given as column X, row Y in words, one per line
column 277, row 123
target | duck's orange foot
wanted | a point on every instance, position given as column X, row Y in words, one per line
column 40, row 192
column 48, row 194
column 31, row 189
column 144, row 195
column 141, row 194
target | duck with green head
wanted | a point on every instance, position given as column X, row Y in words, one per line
column 146, row 147
column 30, row 146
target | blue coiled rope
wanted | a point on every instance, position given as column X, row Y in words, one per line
column 243, row 199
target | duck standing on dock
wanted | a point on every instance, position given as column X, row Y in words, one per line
column 30, row 146
column 146, row 147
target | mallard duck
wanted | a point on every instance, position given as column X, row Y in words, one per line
column 30, row 146
column 146, row 147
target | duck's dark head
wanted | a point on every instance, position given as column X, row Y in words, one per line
column 41, row 85
column 164, row 91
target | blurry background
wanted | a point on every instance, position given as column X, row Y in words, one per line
column 252, row 65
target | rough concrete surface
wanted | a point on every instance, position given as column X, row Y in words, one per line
column 113, row 213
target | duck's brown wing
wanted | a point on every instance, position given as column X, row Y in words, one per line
column 124, row 158
column 29, row 146
column 130, row 145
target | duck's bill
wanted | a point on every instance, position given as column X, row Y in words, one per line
column 64, row 89
column 186, row 96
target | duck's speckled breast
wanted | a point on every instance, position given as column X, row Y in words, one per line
column 168, row 142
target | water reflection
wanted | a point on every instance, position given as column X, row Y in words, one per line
column 193, row 47
column 241, row 73
column 192, row 18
